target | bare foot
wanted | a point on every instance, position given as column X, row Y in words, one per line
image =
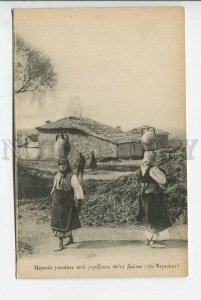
column 69, row 242
column 59, row 248
column 153, row 244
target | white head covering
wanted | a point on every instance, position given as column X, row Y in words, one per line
column 148, row 159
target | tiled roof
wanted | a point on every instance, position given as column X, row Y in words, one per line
column 92, row 128
column 97, row 129
column 124, row 137
column 83, row 124
column 138, row 130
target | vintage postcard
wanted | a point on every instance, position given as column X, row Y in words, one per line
column 100, row 140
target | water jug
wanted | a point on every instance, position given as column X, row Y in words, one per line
column 62, row 146
column 148, row 139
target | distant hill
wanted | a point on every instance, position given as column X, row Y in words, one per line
column 27, row 131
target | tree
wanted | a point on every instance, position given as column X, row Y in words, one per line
column 33, row 70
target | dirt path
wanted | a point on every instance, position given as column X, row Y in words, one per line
column 89, row 240
column 36, row 238
column 104, row 175
column 122, row 248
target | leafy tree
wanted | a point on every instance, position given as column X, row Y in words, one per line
column 33, row 70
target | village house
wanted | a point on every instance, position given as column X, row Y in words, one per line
column 162, row 137
column 86, row 135
column 27, row 147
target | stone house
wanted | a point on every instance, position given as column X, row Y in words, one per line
column 162, row 137
column 27, row 148
column 86, row 135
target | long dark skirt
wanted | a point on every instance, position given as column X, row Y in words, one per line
column 153, row 212
column 64, row 215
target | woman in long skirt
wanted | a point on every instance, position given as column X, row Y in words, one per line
column 153, row 213
column 67, row 198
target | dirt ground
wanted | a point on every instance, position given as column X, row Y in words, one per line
column 50, row 167
column 104, row 175
column 97, row 251
column 35, row 237
column 112, row 245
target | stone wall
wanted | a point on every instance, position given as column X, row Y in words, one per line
column 162, row 140
column 79, row 143
column 128, row 150
column 28, row 153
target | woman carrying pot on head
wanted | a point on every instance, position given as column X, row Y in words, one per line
column 67, row 199
column 152, row 212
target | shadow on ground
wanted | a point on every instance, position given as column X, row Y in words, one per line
column 112, row 244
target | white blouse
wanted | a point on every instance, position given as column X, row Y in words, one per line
column 61, row 183
column 78, row 191
column 157, row 175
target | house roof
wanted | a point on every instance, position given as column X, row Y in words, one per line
column 123, row 137
column 26, row 136
column 33, row 137
column 25, row 141
column 138, row 130
column 83, row 124
column 91, row 127
column 96, row 129
column 22, row 140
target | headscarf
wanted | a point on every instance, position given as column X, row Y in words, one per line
column 149, row 157
column 63, row 161
column 148, row 160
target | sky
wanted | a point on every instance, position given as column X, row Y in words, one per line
column 126, row 66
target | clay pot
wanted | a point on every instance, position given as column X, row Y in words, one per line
column 148, row 139
column 62, row 146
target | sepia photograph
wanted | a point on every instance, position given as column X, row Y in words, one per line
column 100, row 142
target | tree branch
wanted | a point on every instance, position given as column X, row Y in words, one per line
column 33, row 70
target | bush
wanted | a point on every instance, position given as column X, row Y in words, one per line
column 116, row 202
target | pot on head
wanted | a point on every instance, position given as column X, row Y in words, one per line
column 148, row 139
column 62, row 146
